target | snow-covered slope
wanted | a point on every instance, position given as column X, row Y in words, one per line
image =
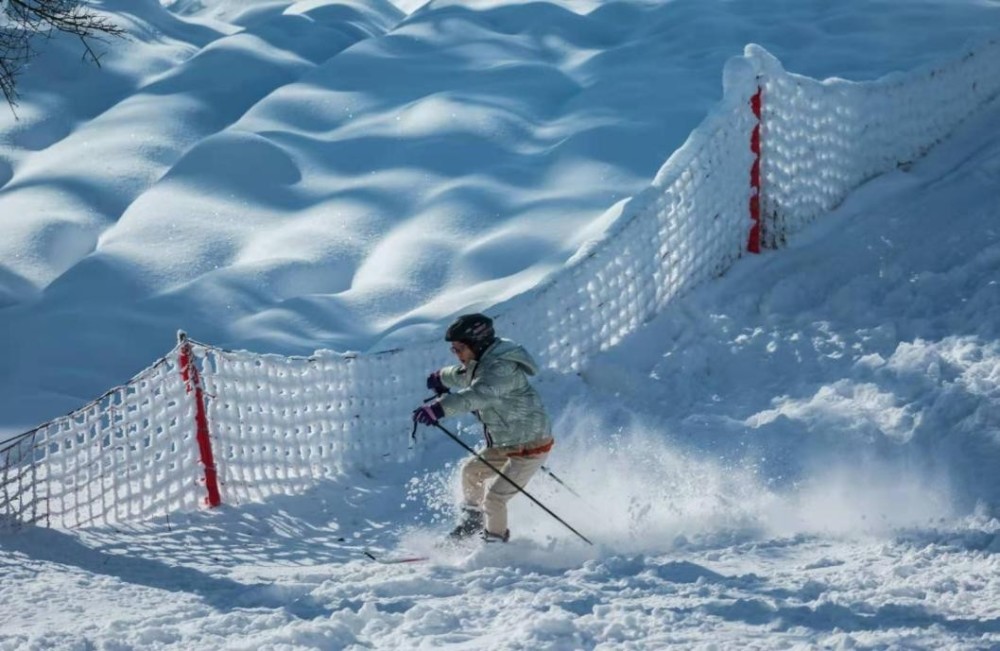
column 245, row 172
column 799, row 455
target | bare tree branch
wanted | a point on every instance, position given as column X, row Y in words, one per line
column 23, row 22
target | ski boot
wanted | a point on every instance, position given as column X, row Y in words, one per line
column 470, row 524
column 490, row 537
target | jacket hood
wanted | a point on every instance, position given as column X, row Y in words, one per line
column 512, row 352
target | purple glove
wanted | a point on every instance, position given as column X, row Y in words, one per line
column 435, row 384
column 428, row 414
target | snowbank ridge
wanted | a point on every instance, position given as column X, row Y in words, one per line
column 277, row 423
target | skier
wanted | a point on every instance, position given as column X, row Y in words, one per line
column 492, row 382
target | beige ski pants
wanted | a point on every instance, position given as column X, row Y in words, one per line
column 484, row 489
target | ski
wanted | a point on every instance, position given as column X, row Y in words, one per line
column 395, row 560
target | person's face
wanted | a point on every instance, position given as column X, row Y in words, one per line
column 463, row 352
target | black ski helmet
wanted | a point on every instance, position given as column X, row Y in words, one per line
column 473, row 330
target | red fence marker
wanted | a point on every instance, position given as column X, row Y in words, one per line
column 192, row 380
column 753, row 245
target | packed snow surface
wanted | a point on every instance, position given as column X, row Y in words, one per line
column 802, row 453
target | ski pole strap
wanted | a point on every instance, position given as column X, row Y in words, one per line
column 511, row 482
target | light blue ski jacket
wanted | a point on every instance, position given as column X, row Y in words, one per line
column 496, row 389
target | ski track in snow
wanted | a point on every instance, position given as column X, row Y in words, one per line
column 270, row 577
column 801, row 454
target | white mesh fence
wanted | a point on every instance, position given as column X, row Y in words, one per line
column 127, row 456
column 276, row 423
column 822, row 139
column 690, row 225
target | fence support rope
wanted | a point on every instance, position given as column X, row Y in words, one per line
column 753, row 245
column 192, row 381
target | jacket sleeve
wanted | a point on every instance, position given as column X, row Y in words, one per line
column 486, row 390
column 451, row 376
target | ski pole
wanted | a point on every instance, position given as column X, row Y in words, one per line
column 545, row 469
column 561, row 482
column 511, row 482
